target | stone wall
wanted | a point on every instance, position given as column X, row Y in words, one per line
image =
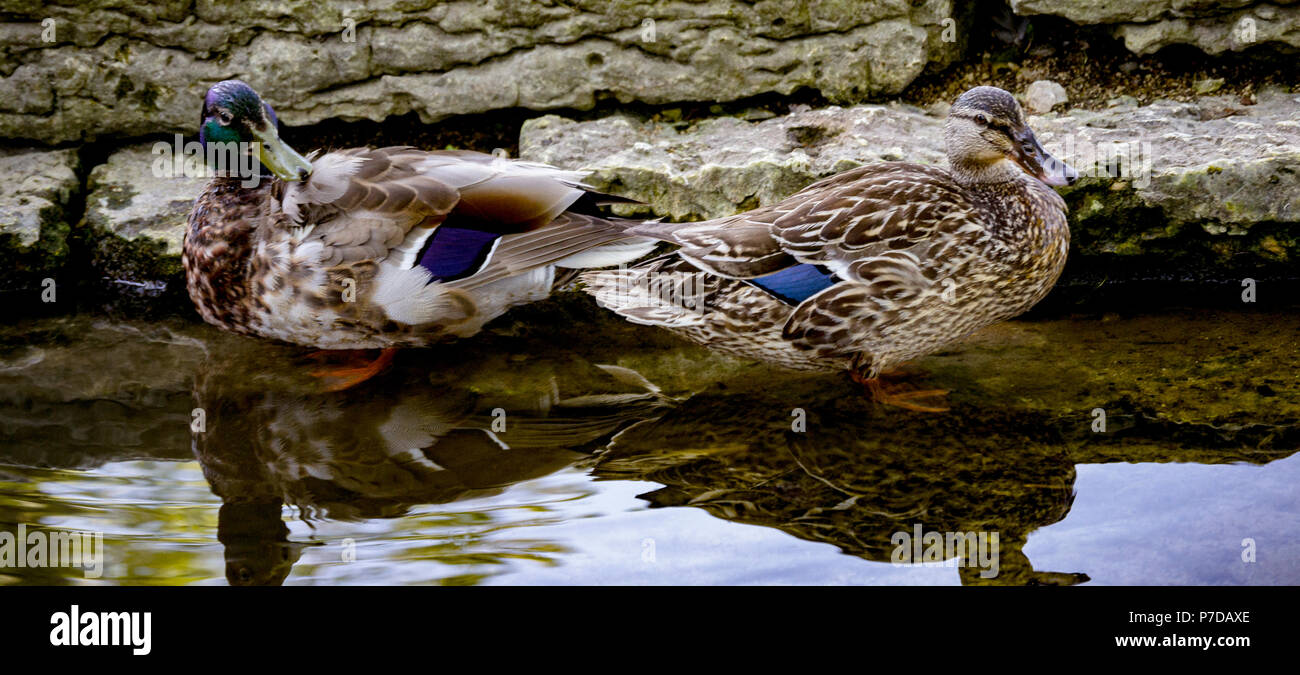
column 119, row 68
column 1214, row 26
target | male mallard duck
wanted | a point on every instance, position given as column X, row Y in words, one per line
column 872, row 267
column 379, row 248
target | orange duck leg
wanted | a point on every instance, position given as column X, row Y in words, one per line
column 354, row 371
column 898, row 394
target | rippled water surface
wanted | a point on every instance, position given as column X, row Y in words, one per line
column 553, row 457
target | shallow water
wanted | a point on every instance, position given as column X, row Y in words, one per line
column 514, row 458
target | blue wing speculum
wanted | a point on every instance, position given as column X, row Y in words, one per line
column 453, row 252
column 797, row 283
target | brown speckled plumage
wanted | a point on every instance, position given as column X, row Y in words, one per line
column 332, row 262
column 340, row 252
column 917, row 256
column 218, row 245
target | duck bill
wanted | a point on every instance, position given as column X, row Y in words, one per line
column 1039, row 163
column 279, row 158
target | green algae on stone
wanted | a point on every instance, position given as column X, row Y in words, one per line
column 135, row 224
column 127, row 200
column 34, row 214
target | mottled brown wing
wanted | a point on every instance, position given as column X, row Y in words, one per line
column 364, row 203
column 743, row 246
column 568, row 234
column 891, row 232
column 737, row 247
column 369, row 203
column 847, row 220
column 837, row 222
column 505, row 195
column 836, row 321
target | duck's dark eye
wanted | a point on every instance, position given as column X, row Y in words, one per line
column 982, row 119
column 224, row 117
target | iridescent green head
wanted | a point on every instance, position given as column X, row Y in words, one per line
column 234, row 113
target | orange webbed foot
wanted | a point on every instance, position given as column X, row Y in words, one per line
column 357, row 371
column 901, row 395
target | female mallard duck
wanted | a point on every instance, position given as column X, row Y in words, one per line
column 872, row 267
column 379, row 248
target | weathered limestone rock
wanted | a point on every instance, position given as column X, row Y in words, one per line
column 723, row 165
column 33, row 211
column 1212, row 163
column 1043, row 95
column 136, row 217
column 129, row 199
column 1126, row 11
column 1146, row 26
column 115, row 68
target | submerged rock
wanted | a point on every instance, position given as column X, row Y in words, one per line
column 1193, row 386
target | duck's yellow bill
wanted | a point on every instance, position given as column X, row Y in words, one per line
column 282, row 160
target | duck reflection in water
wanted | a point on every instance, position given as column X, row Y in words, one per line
column 836, row 470
column 376, row 451
column 799, row 457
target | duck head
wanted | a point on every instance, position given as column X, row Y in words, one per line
column 989, row 142
column 234, row 114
